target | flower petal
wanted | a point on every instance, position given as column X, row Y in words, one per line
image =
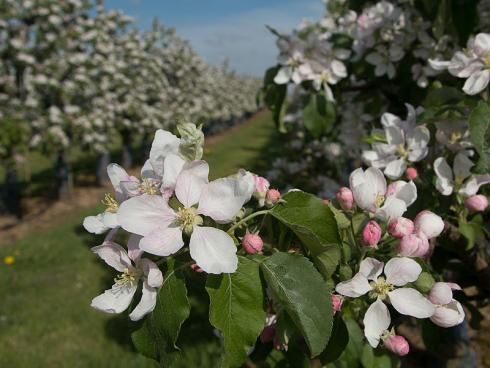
column 448, row 315
column 477, row 82
column 472, row 186
column 146, row 304
column 371, row 268
column 223, row 198
column 213, row 250
column 163, row 144
column 355, row 287
column 134, row 251
column 395, row 168
column 154, row 276
column 411, row 303
column 141, row 215
column 400, row 271
column 117, row 174
column 114, row 255
column 393, row 208
column 444, row 182
column 163, row 241
column 191, row 181
column 95, row 224
column 462, row 166
column 172, row 167
column 376, row 321
column 116, row 299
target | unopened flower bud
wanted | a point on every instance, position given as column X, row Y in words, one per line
column 345, row 198
column 261, row 184
column 441, row 294
column 429, row 224
column 371, row 234
column 272, row 197
column 411, row 173
column 400, row 227
column 196, row 268
column 476, row 203
column 252, row 243
column 397, row 344
column 413, row 245
column 336, row 303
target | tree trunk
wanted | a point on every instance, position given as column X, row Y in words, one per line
column 12, row 193
column 101, row 174
column 64, row 181
column 127, row 151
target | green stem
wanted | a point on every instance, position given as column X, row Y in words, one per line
column 244, row 220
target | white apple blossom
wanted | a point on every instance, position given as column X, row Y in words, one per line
column 459, row 178
column 133, row 269
column 398, row 272
column 372, row 194
column 162, row 227
column 449, row 311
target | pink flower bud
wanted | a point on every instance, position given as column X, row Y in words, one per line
column 345, row 198
column 476, row 203
column 196, row 268
column 411, row 173
column 413, row 245
column 272, row 197
column 441, row 294
column 371, row 234
column 401, row 226
column 397, row 344
column 336, row 303
column 261, row 184
column 252, row 243
column 429, row 224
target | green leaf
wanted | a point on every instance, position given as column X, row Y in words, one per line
column 237, row 309
column 274, row 94
column 443, row 96
column 479, row 123
column 472, row 231
column 352, row 354
column 314, row 224
column 337, row 345
column 157, row 336
column 378, row 358
column 319, row 115
column 425, row 282
column 443, row 17
column 300, row 289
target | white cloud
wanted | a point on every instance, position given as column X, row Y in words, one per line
column 243, row 38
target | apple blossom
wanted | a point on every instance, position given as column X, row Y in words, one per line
column 396, row 344
column 345, row 198
column 413, row 245
column 476, row 203
column 429, row 224
column 449, row 311
column 400, row 227
column 408, row 301
column 371, row 234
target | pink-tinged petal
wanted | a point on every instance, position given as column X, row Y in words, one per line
column 130, row 188
column 163, row 241
column 376, row 321
column 448, row 315
column 134, row 251
column 146, row 304
column 400, row 271
column 163, row 144
column 454, row 286
column 392, row 208
column 441, row 294
column 477, row 82
column 172, row 167
column 141, row 215
column 213, row 250
column 154, row 276
column 117, row 174
column 114, row 255
column 411, row 303
column 95, row 224
column 355, row 287
column 371, row 268
column 395, row 168
column 190, row 182
column 116, row 299
column 223, row 198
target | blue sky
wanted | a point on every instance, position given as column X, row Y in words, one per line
column 220, row 29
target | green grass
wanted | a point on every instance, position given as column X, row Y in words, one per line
column 45, row 314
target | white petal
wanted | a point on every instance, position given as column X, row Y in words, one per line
column 462, row 166
column 365, row 196
column 411, row 303
column 172, row 167
column 116, row 174
column 441, row 294
column 477, row 82
column 146, row 304
column 394, row 135
column 141, row 215
column 376, row 321
column 163, row 144
column 114, row 255
column 392, row 208
column 95, row 224
column 116, row 299
column 213, row 250
column 407, row 192
column 472, row 186
column 376, row 179
column 400, row 271
column 110, row 220
column 147, row 171
column 448, row 315
column 355, row 287
column 444, row 182
column 371, row 268
column 223, row 198
column 283, row 75
column 153, row 274
column 417, row 142
column 134, row 251
column 390, row 120
column 395, row 168
column 163, row 241
column 482, row 42
column 191, row 181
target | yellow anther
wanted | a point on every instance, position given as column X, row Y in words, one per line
column 129, row 276
column 187, row 218
column 381, row 288
column 455, row 137
column 110, row 203
column 379, row 200
column 402, row 152
column 150, row 187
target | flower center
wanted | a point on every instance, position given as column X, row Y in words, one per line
column 110, row 203
column 129, row 276
column 486, row 59
column 455, row 137
column 381, row 288
column 379, row 200
column 149, row 186
column 402, row 152
column 187, row 218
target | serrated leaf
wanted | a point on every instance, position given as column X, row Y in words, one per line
column 314, row 224
column 319, row 115
column 479, row 123
column 337, row 345
column 303, row 294
column 157, row 336
column 237, row 309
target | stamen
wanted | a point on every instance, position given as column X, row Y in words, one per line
column 110, row 203
column 381, row 288
column 402, row 152
column 129, row 276
column 187, row 218
column 379, row 200
column 150, row 187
